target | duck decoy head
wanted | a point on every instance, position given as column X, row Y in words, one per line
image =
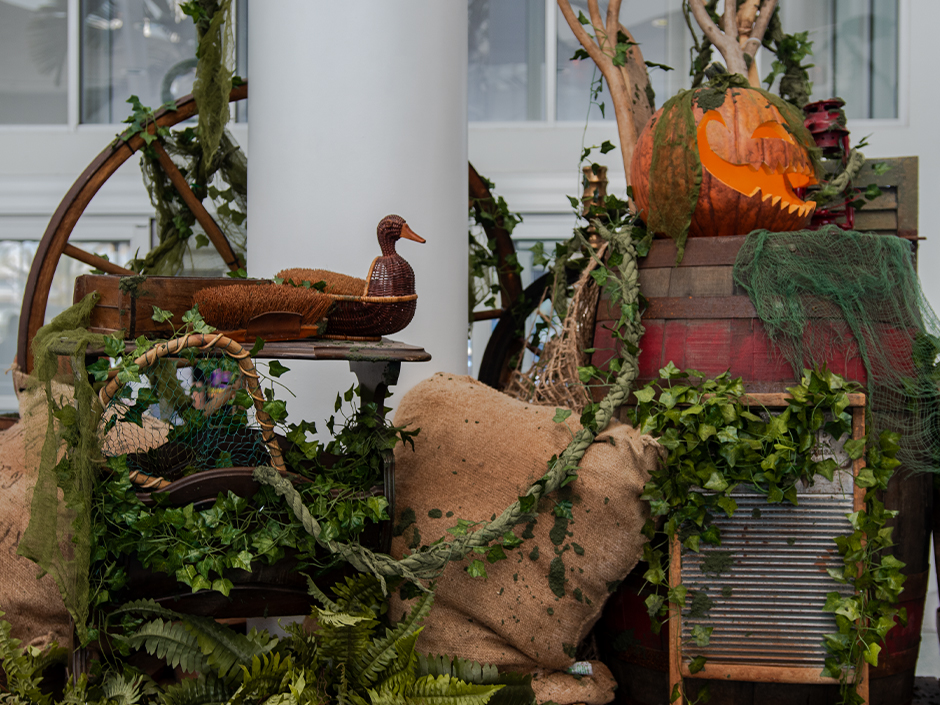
column 393, row 227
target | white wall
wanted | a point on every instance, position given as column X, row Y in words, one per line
column 351, row 120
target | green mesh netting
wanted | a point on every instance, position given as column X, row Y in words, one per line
column 180, row 244
column 215, row 54
column 62, row 433
column 206, row 155
column 833, row 295
column 167, row 428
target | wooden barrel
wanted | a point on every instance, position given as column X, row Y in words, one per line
column 698, row 318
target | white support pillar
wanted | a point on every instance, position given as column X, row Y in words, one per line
column 358, row 110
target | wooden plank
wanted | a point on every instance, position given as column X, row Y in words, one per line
column 876, row 220
column 676, row 666
column 760, row 674
column 699, row 281
column 699, row 252
column 702, row 307
column 654, row 281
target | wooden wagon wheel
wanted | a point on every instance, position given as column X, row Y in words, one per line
column 55, row 241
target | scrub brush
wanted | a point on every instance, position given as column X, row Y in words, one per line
column 335, row 283
column 271, row 311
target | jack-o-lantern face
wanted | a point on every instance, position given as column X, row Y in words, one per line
column 751, row 162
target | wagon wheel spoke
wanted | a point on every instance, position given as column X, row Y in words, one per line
column 212, row 229
column 96, row 261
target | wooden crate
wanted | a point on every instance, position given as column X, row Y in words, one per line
column 120, row 309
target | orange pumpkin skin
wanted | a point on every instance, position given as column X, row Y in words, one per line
column 750, row 165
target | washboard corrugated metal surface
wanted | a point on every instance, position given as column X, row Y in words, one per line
column 768, row 581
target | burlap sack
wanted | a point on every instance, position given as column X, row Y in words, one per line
column 33, row 607
column 565, row 688
column 477, row 451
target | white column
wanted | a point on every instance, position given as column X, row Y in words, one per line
column 358, row 110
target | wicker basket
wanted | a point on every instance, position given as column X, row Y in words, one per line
column 233, row 350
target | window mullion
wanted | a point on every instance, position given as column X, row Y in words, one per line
column 73, row 61
column 551, row 59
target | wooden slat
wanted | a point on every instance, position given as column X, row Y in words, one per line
column 759, row 674
column 94, row 260
column 212, row 229
column 876, row 220
column 699, row 252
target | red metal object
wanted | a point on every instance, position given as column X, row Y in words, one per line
column 825, row 120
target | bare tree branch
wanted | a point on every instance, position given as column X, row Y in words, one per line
column 747, row 13
column 730, row 20
column 760, row 27
column 622, row 81
column 613, row 23
column 727, row 45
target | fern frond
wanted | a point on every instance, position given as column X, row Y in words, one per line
column 518, row 690
column 381, row 653
column 322, row 597
column 198, row 691
column 400, row 676
column 328, row 618
column 224, row 648
column 447, row 690
column 267, row 677
column 170, row 641
column 22, row 667
column 303, row 647
column 119, row 689
column 361, row 594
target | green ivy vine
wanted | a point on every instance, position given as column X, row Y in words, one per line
column 199, row 545
column 716, row 443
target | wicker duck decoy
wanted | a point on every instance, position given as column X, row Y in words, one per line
column 381, row 304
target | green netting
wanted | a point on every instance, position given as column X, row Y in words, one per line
column 58, row 537
column 170, row 424
column 854, row 300
column 213, row 164
column 215, row 54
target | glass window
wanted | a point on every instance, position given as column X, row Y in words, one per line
column 855, row 52
column 33, row 69
column 145, row 48
column 506, row 71
column 855, row 45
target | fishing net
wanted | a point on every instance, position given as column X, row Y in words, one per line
column 833, row 294
column 171, row 423
column 181, row 244
column 206, row 155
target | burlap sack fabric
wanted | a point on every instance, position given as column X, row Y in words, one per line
column 477, row 451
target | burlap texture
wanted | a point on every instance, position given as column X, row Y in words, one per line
column 33, row 606
column 565, row 688
column 477, row 451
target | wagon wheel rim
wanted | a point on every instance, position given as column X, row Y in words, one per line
column 55, row 239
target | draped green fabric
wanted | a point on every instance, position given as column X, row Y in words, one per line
column 58, row 537
column 822, row 293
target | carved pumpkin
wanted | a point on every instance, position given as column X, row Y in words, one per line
column 751, row 159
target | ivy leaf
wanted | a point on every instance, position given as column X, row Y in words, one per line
column 697, row 664
column 257, row 347
column 476, row 569
column 240, row 273
column 701, row 634
column 202, row 241
column 653, row 604
column 716, row 482
column 276, row 369
column 582, row 19
column 276, row 409
column 561, row 415
column 871, row 654
column 161, row 316
column 607, row 146
column 645, row 395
